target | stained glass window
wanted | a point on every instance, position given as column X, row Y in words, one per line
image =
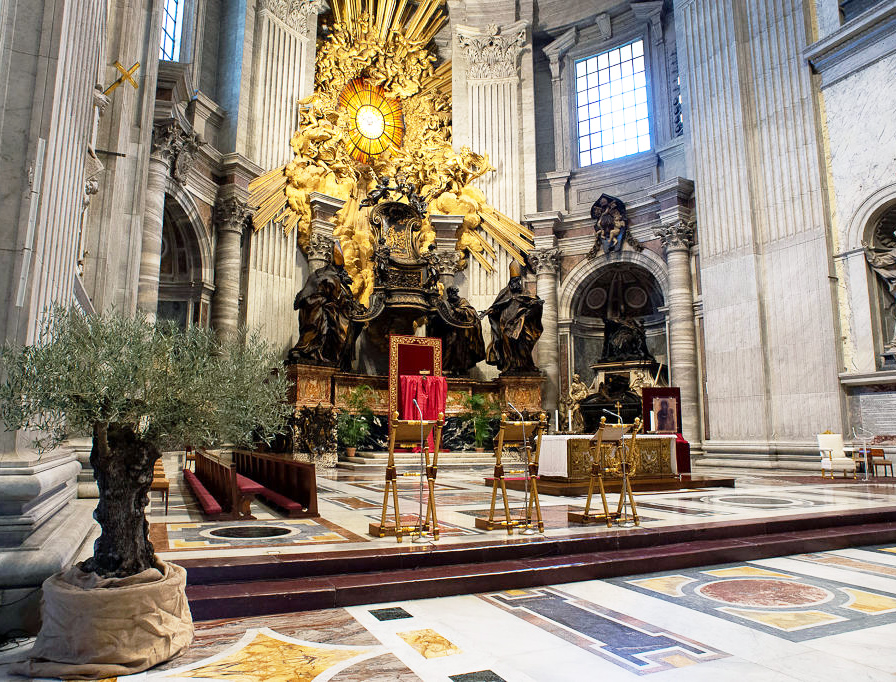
column 172, row 18
column 611, row 103
column 375, row 121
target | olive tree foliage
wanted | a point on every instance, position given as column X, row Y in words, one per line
column 170, row 386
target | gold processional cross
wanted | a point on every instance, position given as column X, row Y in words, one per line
column 126, row 76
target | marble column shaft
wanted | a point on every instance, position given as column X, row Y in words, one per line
column 546, row 264
column 230, row 219
column 677, row 239
column 151, row 248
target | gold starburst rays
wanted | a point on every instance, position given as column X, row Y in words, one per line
column 382, row 106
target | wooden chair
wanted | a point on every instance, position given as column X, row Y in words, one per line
column 407, row 433
column 610, row 438
column 189, row 456
column 878, row 459
column 833, row 456
column 527, row 436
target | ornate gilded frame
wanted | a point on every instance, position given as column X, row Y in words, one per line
column 396, row 341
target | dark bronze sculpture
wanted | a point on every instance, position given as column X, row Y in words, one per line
column 611, row 229
column 457, row 323
column 624, row 339
column 515, row 320
column 881, row 257
column 326, row 307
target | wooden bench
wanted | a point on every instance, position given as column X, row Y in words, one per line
column 290, row 485
column 219, row 489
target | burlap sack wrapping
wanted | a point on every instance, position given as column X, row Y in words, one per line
column 108, row 627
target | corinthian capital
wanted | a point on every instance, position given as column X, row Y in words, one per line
column 678, row 235
column 494, row 52
column 545, row 261
column 176, row 146
column 232, row 213
column 294, row 13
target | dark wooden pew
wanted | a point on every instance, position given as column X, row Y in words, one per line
column 290, row 485
column 220, row 490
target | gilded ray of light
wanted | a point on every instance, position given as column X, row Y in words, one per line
column 746, row 572
column 868, row 602
column 668, row 584
column 266, row 659
column 429, row 643
column 376, row 53
column 787, row 621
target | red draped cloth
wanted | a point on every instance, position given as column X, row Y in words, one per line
column 431, row 393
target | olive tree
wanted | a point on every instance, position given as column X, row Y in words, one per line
column 138, row 389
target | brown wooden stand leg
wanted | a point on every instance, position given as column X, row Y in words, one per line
column 590, row 492
column 603, row 499
column 533, row 497
column 397, row 512
column 506, row 507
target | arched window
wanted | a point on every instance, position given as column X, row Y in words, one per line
column 172, row 27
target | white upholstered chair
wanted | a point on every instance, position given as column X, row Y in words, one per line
column 833, row 456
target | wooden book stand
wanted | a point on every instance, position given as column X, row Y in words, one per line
column 406, row 433
column 526, row 435
column 613, row 436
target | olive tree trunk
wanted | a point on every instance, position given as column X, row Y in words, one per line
column 123, row 465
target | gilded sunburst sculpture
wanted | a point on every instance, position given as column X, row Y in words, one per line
column 382, row 107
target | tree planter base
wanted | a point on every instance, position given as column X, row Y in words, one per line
column 96, row 627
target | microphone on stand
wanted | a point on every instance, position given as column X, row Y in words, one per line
column 420, row 537
column 618, row 416
column 528, row 530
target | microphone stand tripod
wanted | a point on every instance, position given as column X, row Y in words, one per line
column 420, row 536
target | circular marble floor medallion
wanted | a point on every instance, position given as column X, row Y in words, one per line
column 754, row 501
column 765, row 593
column 246, row 532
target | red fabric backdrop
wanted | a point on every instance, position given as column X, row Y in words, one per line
column 431, row 394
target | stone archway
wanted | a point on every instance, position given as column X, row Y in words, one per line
column 185, row 272
column 615, row 290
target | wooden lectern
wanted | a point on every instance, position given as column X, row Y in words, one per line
column 525, row 435
column 610, row 438
column 408, row 433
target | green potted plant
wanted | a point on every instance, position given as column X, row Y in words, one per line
column 137, row 388
column 480, row 411
column 353, row 423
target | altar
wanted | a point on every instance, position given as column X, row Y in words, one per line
column 566, row 457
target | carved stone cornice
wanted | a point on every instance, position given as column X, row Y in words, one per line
column 175, row 146
column 652, row 13
column 232, row 213
column 493, row 53
column 294, row 13
column 545, row 261
column 677, row 235
column 556, row 50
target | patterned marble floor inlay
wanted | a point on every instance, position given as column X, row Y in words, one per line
column 630, row 643
column 795, row 607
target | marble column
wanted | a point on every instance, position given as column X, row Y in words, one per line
column 231, row 215
column 172, row 154
column 677, row 238
column 546, row 263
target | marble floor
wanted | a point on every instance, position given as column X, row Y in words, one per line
column 348, row 501
column 822, row 616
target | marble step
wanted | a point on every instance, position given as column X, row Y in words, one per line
column 250, row 586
